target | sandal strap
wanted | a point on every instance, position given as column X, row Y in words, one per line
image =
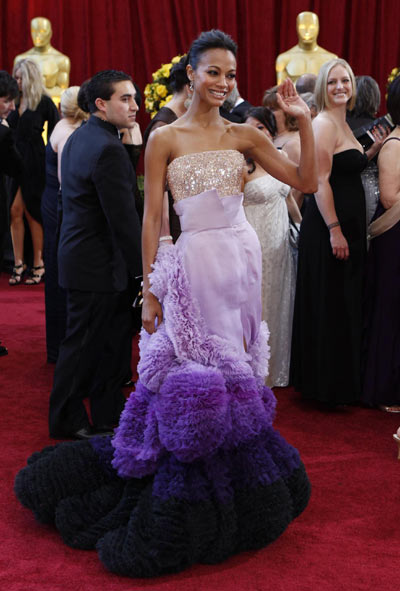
column 35, row 278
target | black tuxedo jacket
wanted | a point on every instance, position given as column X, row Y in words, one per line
column 100, row 231
column 238, row 114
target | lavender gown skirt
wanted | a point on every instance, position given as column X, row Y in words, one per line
column 195, row 471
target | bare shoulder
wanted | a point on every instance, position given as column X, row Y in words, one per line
column 292, row 149
column 390, row 151
column 327, row 131
column 245, row 136
column 61, row 128
column 323, row 123
column 391, row 146
column 160, row 138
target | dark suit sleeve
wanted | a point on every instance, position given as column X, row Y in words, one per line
column 10, row 159
column 114, row 180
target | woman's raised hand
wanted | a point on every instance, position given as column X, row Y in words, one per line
column 289, row 101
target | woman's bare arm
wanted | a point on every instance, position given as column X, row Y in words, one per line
column 156, row 159
column 302, row 176
column 389, row 174
column 326, row 140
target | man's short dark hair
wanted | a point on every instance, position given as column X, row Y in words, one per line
column 306, row 83
column 8, row 85
column 101, row 85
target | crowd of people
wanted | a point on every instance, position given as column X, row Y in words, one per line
column 253, row 247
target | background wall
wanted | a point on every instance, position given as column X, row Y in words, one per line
column 138, row 35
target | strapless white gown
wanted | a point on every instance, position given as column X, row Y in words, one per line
column 266, row 210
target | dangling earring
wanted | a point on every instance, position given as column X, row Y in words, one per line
column 191, row 87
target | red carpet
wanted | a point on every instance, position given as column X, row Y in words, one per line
column 347, row 539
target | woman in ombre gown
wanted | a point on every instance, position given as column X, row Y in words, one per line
column 195, row 471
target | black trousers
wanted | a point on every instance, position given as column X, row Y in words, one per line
column 89, row 362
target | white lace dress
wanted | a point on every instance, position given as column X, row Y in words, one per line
column 266, row 210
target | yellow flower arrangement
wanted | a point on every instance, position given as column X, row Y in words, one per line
column 158, row 93
column 393, row 74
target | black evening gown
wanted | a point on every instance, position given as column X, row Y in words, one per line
column 327, row 325
column 55, row 296
column 28, row 136
column 381, row 343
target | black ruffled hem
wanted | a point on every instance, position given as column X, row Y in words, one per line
column 138, row 534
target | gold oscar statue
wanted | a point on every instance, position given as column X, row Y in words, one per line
column 54, row 65
column 307, row 56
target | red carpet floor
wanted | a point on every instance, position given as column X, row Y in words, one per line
column 347, row 539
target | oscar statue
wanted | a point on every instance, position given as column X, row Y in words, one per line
column 54, row 65
column 306, row 56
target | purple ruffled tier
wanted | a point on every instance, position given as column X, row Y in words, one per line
column 195, row 414
column 197, row 393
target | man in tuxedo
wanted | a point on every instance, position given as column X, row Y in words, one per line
column 99, row 251
column 235, row 107
column 10, row 160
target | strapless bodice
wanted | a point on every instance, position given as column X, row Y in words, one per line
column 264, row 189
column 195, row 173
column 349, row 162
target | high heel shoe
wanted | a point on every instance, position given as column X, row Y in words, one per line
column 17, row 273
column 396, row 437
column 35, row 278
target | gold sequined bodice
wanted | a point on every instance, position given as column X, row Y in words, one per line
column 192, row 174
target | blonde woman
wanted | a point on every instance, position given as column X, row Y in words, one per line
column 327, row 320
column 33, row 110
column 72, row 118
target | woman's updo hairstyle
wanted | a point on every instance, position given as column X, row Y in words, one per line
column 69, row 104
column 213, row 39
column 178, row 77
column 393, row 100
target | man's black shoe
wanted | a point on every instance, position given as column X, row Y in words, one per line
column 83, row 433
column 104, row 429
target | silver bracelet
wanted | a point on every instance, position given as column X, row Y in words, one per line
column 333, row 225
column 163, row 238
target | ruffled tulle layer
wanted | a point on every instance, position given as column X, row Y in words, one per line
column 197, row 393
column 195, row 472
column 199, row 512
